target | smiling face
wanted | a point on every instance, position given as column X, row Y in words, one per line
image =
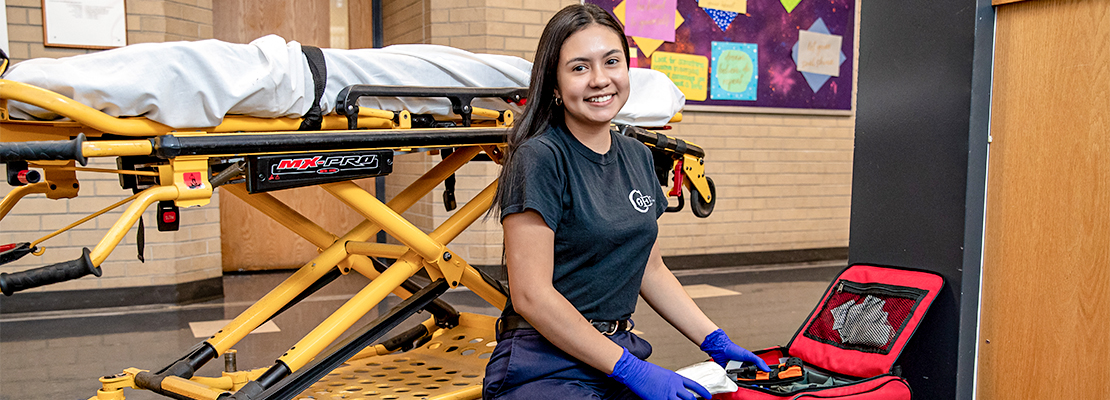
column 592, row 79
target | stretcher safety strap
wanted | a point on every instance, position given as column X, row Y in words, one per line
column 315, row 116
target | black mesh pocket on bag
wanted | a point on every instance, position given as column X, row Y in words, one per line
column 866, row 317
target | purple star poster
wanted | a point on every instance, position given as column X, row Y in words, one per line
column 772, row 26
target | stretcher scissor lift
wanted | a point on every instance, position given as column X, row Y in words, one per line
column 441, row 358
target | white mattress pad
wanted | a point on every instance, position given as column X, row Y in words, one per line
column 195, row 84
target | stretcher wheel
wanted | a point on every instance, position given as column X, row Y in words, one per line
column 698, row 205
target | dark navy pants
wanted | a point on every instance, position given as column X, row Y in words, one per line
column 524, row 365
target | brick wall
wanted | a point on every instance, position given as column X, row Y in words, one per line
column 783, row 183
column 510, row 27
column 147, row 21
column 190, row 254
column 405, row 21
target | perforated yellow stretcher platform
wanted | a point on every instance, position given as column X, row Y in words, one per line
column 441, row 358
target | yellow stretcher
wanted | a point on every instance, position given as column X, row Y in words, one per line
column 442, row 358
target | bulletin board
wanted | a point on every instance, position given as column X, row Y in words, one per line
column 789, row 56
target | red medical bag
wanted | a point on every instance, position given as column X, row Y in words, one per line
column 849, row 344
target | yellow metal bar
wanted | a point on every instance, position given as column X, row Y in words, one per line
column 130, row 215
column 485, row 112
column 434, row 176
column 190, row 389
column 431, row 251
column 445, row 233
column 363, row 266
column 455, row 225
column 473, row 280
column 116, row 148
column 71, row 109
column 277, row 298
column 350, row 312
column 13, row 196
column 374, row 210
column 232, row 381
column 86, row 219
column 224, row 382
column 86, row 169
column 377, row 249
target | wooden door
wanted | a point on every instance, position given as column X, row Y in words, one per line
column 1045, row 314
column 241, row 21
column 250, row 240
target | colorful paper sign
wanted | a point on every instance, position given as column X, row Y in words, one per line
column 735, row 71
column 646, row 45
column 739, row 6
column 790, row 4
column 689, row 72
column 722, row 18
column 651, row 19
column 819, row 53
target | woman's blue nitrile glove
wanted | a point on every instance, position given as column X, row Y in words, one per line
column 722, row 349
column 652, row 382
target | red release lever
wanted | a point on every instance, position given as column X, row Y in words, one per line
column 677, row 189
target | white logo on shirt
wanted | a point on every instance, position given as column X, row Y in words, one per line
column 639, row 201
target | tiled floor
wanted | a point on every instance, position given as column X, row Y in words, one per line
column 60, row 355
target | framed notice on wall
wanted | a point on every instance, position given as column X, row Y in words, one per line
column 780, row 56
column 89, row 24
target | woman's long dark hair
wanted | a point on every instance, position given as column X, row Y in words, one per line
column 541, row 111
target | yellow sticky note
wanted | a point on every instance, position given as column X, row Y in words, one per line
column 740, row 6
column 689, row 72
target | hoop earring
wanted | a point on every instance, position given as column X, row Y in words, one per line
column 559, row 101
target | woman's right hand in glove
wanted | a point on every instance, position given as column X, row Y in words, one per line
column 652, row 382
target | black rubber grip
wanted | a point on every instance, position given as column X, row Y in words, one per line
column 60, row 272
column 44, row 150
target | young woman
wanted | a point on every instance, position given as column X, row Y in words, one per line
column 579, row 206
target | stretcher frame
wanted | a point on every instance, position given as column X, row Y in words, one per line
column 320, row 364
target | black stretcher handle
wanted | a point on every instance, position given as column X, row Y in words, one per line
column 347, row 102
column 660, row 141
column 42, row 276
column 44, row 150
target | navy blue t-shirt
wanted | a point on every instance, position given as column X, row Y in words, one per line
column 603, row 209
